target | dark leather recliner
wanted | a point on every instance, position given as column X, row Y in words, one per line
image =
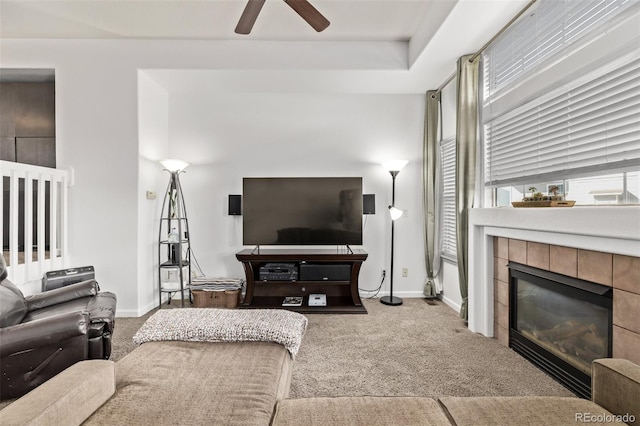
column 43, row 334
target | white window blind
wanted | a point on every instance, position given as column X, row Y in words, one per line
column 575, row 126
column 448, row 163
column 550, row 27
column 589, row 128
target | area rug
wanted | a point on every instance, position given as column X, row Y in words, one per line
column 225, row 325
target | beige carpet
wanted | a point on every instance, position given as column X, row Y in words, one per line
column 418, row 348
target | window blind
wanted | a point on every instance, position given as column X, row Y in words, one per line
column 448, row 164
column 550, row 27
column 591, row 127
column 585, row 127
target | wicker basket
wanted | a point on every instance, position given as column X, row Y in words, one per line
column 216, row 299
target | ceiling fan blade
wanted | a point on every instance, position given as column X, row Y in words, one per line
column 309, row 14
column 249, row 16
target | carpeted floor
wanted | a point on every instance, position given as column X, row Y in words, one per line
column 419, row 348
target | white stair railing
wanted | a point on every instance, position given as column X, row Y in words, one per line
column 34, row 220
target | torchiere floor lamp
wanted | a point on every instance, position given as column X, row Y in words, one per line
column 174, row 235
column 393, row 167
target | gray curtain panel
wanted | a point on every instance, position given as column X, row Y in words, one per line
column 431, row 191
column 466, row 142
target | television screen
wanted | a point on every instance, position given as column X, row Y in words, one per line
column 302, row 211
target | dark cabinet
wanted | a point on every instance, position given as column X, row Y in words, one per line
column 322, row 271
column 36, row 151
column 27, row 123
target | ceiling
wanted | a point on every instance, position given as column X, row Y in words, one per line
column 376, row 20
column 390, row 46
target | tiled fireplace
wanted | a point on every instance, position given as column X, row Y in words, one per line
column 619, row 272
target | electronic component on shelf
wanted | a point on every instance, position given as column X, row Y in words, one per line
column 278, row 272
column 317, row 300
column 292, row 301
column 325, row 272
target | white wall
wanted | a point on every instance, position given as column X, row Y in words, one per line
column 450, row 284
column 230, row 136
column 153, row 127
column 108, row 117
column 96, row 134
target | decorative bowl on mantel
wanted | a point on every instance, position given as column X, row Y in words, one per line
column 542, row 203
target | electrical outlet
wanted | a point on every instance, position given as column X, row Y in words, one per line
column 405, row 272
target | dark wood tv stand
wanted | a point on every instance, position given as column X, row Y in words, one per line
column 342, row 296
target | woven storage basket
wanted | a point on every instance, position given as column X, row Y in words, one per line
column 216, row 299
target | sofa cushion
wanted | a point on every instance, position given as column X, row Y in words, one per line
column 616, row 387
column 66, row 399
column 524, row 410
column 12, row 305
column 360, row 410
column 198, row 383
column 225, row 325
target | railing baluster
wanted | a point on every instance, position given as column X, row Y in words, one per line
column 13, row 219
column 28, row 220
column 34, row 176
column 53, row 220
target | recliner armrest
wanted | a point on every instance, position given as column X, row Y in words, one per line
column 38, row 333
column 62, row 294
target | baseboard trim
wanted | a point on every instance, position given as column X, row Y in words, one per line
column 135, row 313
column 400, row 294
column 453, row 305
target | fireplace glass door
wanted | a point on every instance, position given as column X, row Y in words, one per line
column 564, row 323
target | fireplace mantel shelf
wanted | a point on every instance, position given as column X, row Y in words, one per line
column 614, row 223
column 608, row 229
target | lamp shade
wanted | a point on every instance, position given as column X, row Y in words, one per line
column 174, row 165
column 395, row 213
column 394, row 165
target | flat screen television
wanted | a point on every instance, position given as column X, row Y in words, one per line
column 302, row 211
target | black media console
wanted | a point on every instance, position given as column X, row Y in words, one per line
column 274, row 274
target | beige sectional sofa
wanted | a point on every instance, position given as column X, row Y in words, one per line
column 616, row 400
column 164, row 383
column 247, row 383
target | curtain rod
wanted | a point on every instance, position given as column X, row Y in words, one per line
column 487, row 44
column 499, row 33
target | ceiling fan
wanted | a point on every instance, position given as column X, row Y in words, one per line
column 302, row 8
